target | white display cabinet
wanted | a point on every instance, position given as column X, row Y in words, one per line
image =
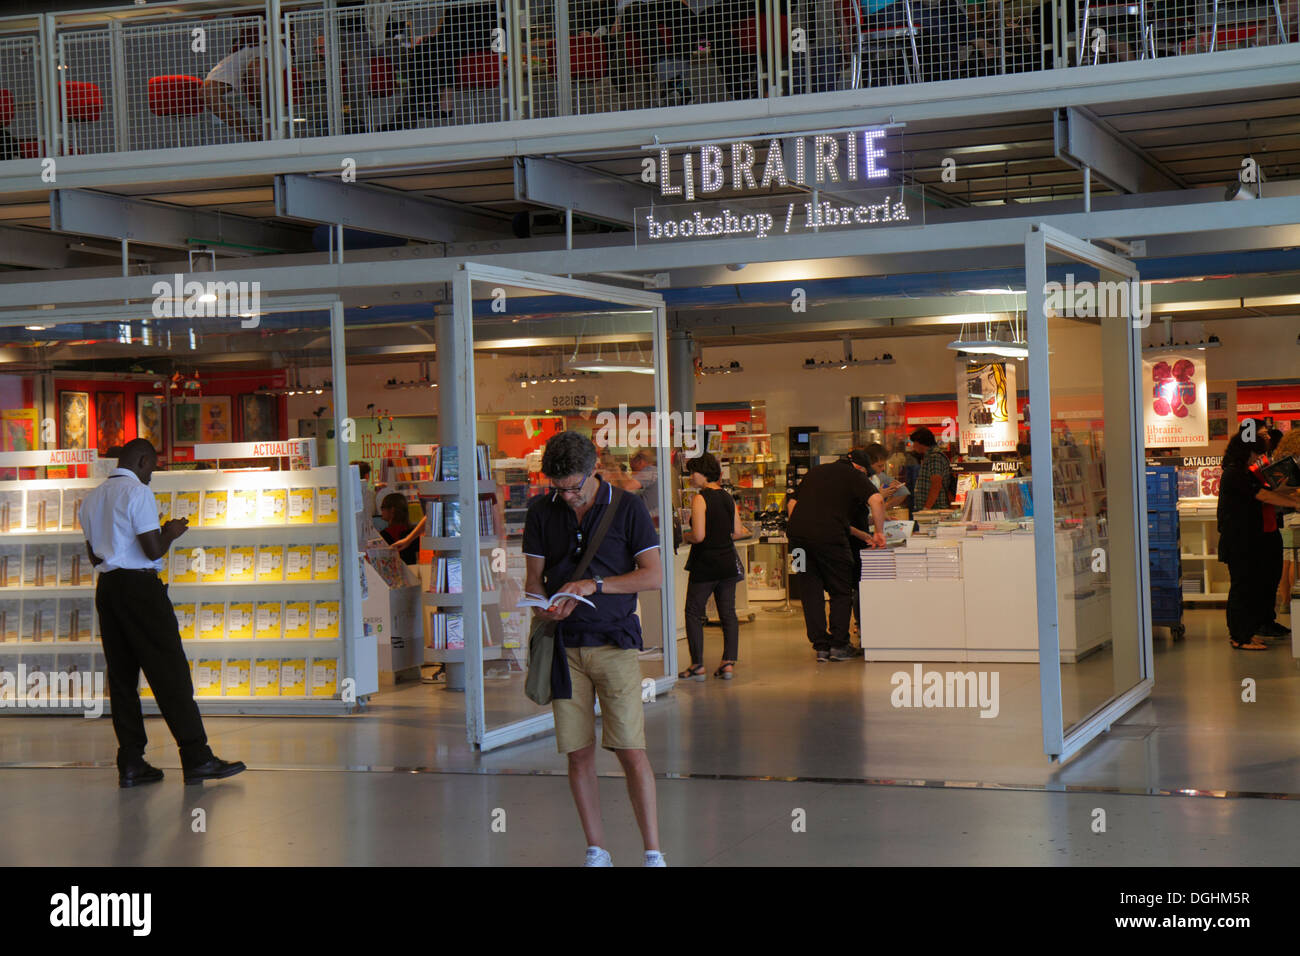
column 256, row 583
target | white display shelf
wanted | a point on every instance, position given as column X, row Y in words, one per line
column 486, row 543
column 431, row 489
column 443, row 599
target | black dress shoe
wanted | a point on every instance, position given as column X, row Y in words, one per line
column 137, row 774
column 213, row 769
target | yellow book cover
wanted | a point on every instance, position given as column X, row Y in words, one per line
column 270, row 506
column 239, row 621
column 186, row 505
column 300, row 505
column 211, row 623
column 266, row 621
column 326, row 624
column 185, row 566
column 214, row 565
column 243, row 507
column 215, row 506
column 164, row 501
column 185, row 620
column 324, row 676
column 165, row 572
column 325, row 562
column 240, row 566
column 207, row 677
column 293, row 677
column 236, row 678
column 266, row 677
column 297, row 620
column 297, row 562
column 327, row 505
column 270, row 562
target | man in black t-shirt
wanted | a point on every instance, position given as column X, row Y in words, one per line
column 821, row 510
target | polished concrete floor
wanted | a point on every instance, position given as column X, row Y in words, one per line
column 985, row 792
column 322, row 818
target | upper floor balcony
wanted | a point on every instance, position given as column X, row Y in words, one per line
column 206, row 76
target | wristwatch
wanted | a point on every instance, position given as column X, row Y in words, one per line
column 600, row 583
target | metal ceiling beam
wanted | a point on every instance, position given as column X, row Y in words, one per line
column 955, row 100
column 560, row 185
column 88, row 213
column 380, row 210
column 33, row 250
column 1232, row 226
column 1084, row 141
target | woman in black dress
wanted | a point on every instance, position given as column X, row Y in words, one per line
column 713, row 564
column 1246, row 520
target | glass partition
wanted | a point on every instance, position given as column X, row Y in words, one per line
column 547, row 356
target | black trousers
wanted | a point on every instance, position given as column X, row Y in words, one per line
column 697, row 599
column 829, row 569
column 138, row 626
column 1249, row 604
column 1272, row 561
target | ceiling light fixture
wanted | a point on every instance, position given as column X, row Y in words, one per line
column 848, row 361
column 639, row 366
column 1006, row 341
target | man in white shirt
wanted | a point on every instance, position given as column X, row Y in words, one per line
column 241, row 73
column 138, row 623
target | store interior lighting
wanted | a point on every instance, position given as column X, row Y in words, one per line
column 1169, row 345
column 557, row 376
column 1006, row 340
column 847, row 361
column 295, row 386
column 424, row 381
column 638, row 366
column 721, row 369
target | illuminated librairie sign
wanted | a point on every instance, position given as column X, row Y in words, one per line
column 846, row 171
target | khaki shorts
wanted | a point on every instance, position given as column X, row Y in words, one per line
column 614, row 674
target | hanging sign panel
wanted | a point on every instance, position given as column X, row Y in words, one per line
column 1175, row 402
column 986, row 406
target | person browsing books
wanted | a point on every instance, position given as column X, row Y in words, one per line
column 597, row 645
column 137, row 622
column 399, row 533
column 713, row 564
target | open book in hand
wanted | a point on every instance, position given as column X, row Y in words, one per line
column 537, row 600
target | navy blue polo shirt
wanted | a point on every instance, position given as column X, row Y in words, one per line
column 551, row 532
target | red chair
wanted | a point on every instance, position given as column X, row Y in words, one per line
column 176, row 96
column 478, row 71
column 6, row 107
column 79, row 102
column 84, row 102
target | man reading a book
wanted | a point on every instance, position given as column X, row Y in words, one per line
column 597, row 644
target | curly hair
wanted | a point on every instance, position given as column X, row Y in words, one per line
column 706, row 465
column 568, row 453
column 1289, row 445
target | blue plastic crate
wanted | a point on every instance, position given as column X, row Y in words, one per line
column 1166, row 567
column 1162, row 529
column 1166, row 606
column 1162, row 488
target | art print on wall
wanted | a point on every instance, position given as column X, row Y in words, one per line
column 203, row 420
column 74, row 419
column 258, row 418
column 149, row 419
column 110, row 421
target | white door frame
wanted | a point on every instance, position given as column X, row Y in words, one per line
column 1057, row 743
column 463, row 310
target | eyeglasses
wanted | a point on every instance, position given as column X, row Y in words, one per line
column 575, row 490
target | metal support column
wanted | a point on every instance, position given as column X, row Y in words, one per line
column 681, row 374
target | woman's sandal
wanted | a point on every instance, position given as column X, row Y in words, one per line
column 1252, row 645
column 695, row 672
column 725, row 670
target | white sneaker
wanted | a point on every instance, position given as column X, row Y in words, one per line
column 654, row 858
column 597, row 857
